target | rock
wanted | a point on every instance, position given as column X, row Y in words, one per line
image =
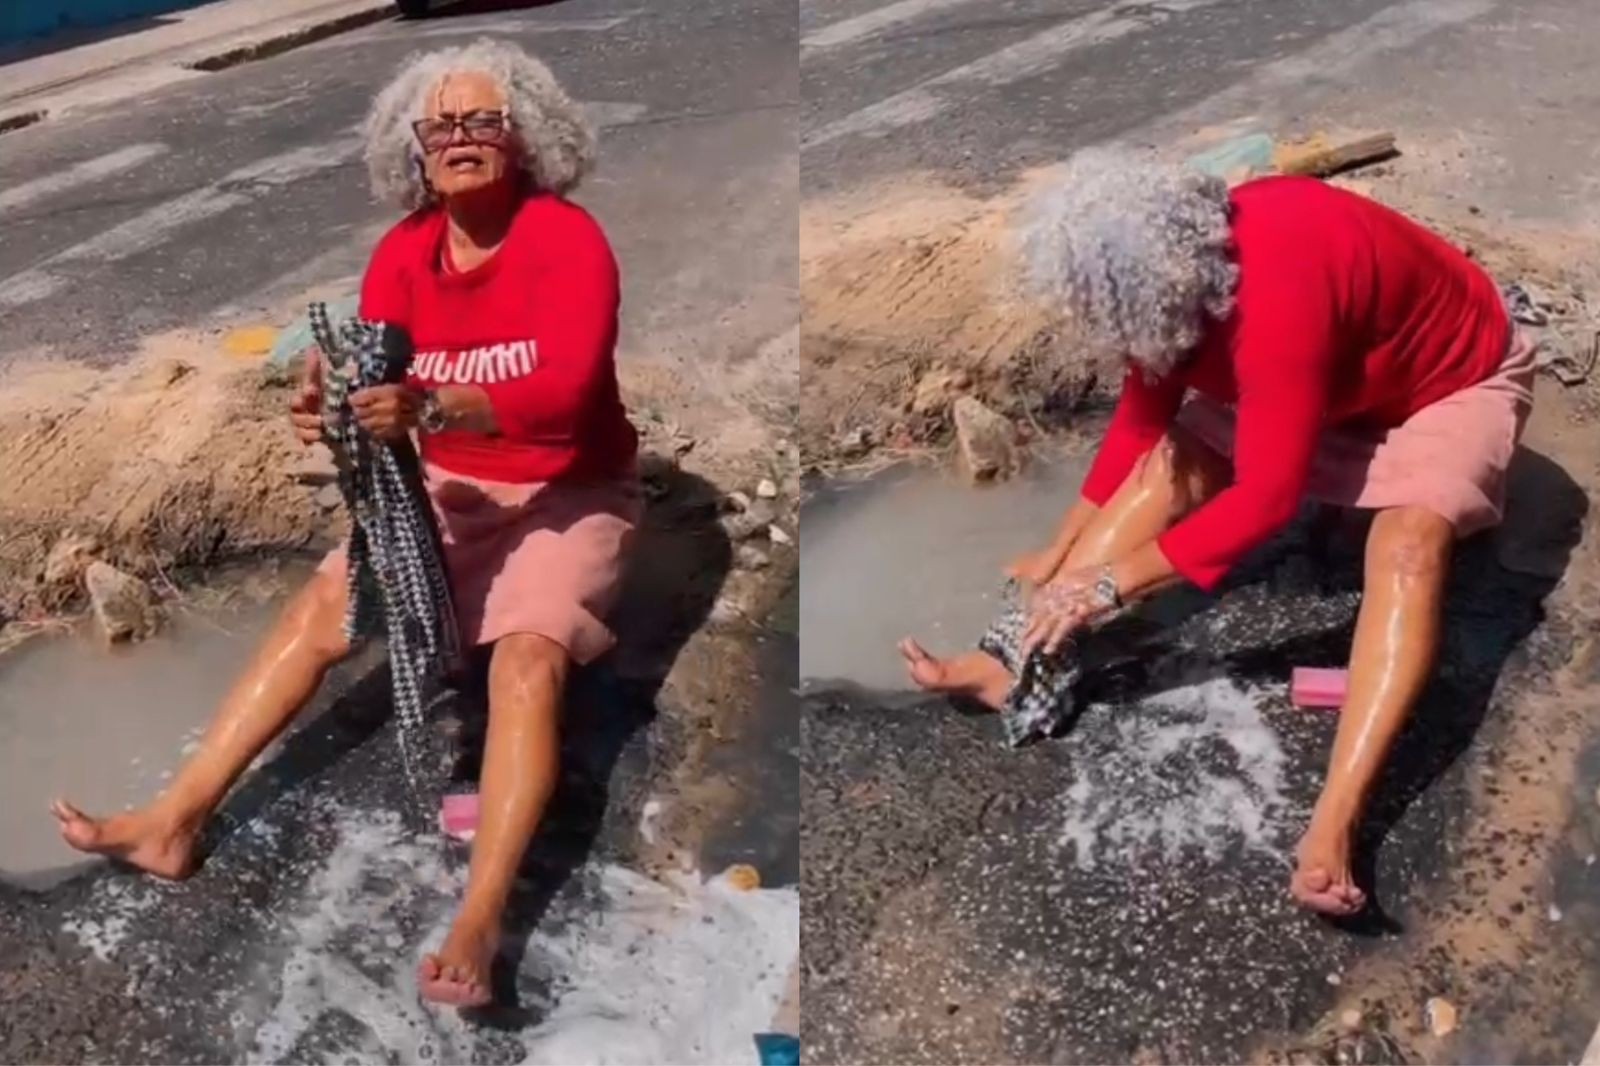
column 987, row 440
column 124, row 606
column 778, row 536
column 742, row 876
column 738, row 502
column 767, row 489
column 938, row 389
column 1350, row 1020
column 1555, row 913
column 749, row 557
column 1335, row 980
column 329, row 498
column 316, row 468
column 855, row 443
column 69, row 558
column 750, row 522
column 1441, row 1016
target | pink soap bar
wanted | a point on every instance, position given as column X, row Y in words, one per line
column 1312, row 686
column 458, row 815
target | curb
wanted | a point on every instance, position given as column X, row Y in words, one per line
column 234, row 51
column 285, row 42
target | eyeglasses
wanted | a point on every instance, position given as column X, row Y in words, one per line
column 480, row 127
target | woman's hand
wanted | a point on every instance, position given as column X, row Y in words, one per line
column 305, row 410
column 388, row 412
column 1063, row 606
column 1035, row 568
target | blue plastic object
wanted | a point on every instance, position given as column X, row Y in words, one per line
column 1252, row 151
column 778, row 1049
column 296, row 338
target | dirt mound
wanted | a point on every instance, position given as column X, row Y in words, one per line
column 180, row 457
column 909, row 284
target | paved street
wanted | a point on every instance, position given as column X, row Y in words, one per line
column 231, row 199
column 1119, row 894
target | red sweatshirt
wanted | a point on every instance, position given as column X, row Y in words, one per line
column 535, row 326
column 1348, row 314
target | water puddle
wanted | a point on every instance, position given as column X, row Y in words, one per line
column 107, row 726
column 916, row 551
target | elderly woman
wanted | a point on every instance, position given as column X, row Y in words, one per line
column 1333, row 348
column 510, row 293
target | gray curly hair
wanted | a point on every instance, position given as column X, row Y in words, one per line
column 1135, row 252
column 556, row 141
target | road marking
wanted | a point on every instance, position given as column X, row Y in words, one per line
column 1029, row 57
column 513, row 26
column 89, row 170
column 850, row 30
column 160, row 223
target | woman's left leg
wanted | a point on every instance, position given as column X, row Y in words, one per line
column 1396, row 643
column 521, row 764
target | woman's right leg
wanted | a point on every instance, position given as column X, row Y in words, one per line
column 1176, row 476
column 160, row 838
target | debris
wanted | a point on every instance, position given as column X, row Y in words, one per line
column 1565, row 334
column 1311, row 686
column 1441, row 1016
column 250, row 340
column 938, row 389
column 767, row 489
column 69, row 558
column 738, row 502
column 1236, row 159
column 750, row 557
column 777, row 1049
column 778, row 536
column 855, row 443
column 458, row 816
column 294, row 340
column 316, row 468
column 987, row 440
column 1319, row 156
column 748, row 523
column 124, row 606
column 1350, row 1020
column 742, row 876
column 1555, row 913
column 1335, row 980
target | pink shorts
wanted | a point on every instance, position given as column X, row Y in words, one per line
column 1451, row 457
column 543, row 558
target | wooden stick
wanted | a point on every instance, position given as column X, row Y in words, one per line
column 1319, row 157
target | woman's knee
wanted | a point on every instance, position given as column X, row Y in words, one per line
column 1183, row 468
column 315, row 618
column 1412, row 545
column 529, row 668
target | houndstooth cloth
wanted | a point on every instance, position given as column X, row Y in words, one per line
column 397, row 581
column 1042, row 695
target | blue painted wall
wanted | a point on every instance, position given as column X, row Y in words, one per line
column 25, row 19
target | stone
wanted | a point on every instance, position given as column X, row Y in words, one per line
column 987, row 440
column 777, row 535
column 855, row 443
column 1441, row 1016
column 738, row 502
column 751, row 522
column 69, row 558
column 1350, row 1020
column 938, row 390
column 316, row 467
column 750, row 557
column 329, row 498
column 767, row 489
column 124, row 606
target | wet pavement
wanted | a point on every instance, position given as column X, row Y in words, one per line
column 1119, row 893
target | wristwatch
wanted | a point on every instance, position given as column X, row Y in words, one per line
column 1105, row 589
column 432, row 417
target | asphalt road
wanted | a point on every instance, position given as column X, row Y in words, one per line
column 233, row 195
column 230, row 200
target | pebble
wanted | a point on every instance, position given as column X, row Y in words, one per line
column 749, row 557
column 329, row 497
column 767, row 489
column 778, row 536
column 738, row 501
column 1555, row 913
column 1350, row 1019
column 1441, row 1016
column 124, row 606
column 1335, row 980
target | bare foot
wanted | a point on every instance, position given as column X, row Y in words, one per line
column 458, row 974
column 974, row 674
column 1322, row 881
column 137, row 838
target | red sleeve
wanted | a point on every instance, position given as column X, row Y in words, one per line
column 1143, row 413
column 575, row 293
column 1283, row 365
column 385, row 288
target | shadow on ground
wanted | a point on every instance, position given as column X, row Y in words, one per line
column 1119, row 893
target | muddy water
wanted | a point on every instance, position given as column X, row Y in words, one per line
column 915, row 551
column 106, row 726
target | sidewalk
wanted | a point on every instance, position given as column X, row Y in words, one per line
column 41, row 78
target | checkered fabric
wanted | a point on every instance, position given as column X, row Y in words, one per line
column 397, row 582
column 1042, row 695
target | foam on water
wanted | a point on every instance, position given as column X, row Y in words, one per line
column 102, row 924
column 1196, row 767
column 641, row 971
